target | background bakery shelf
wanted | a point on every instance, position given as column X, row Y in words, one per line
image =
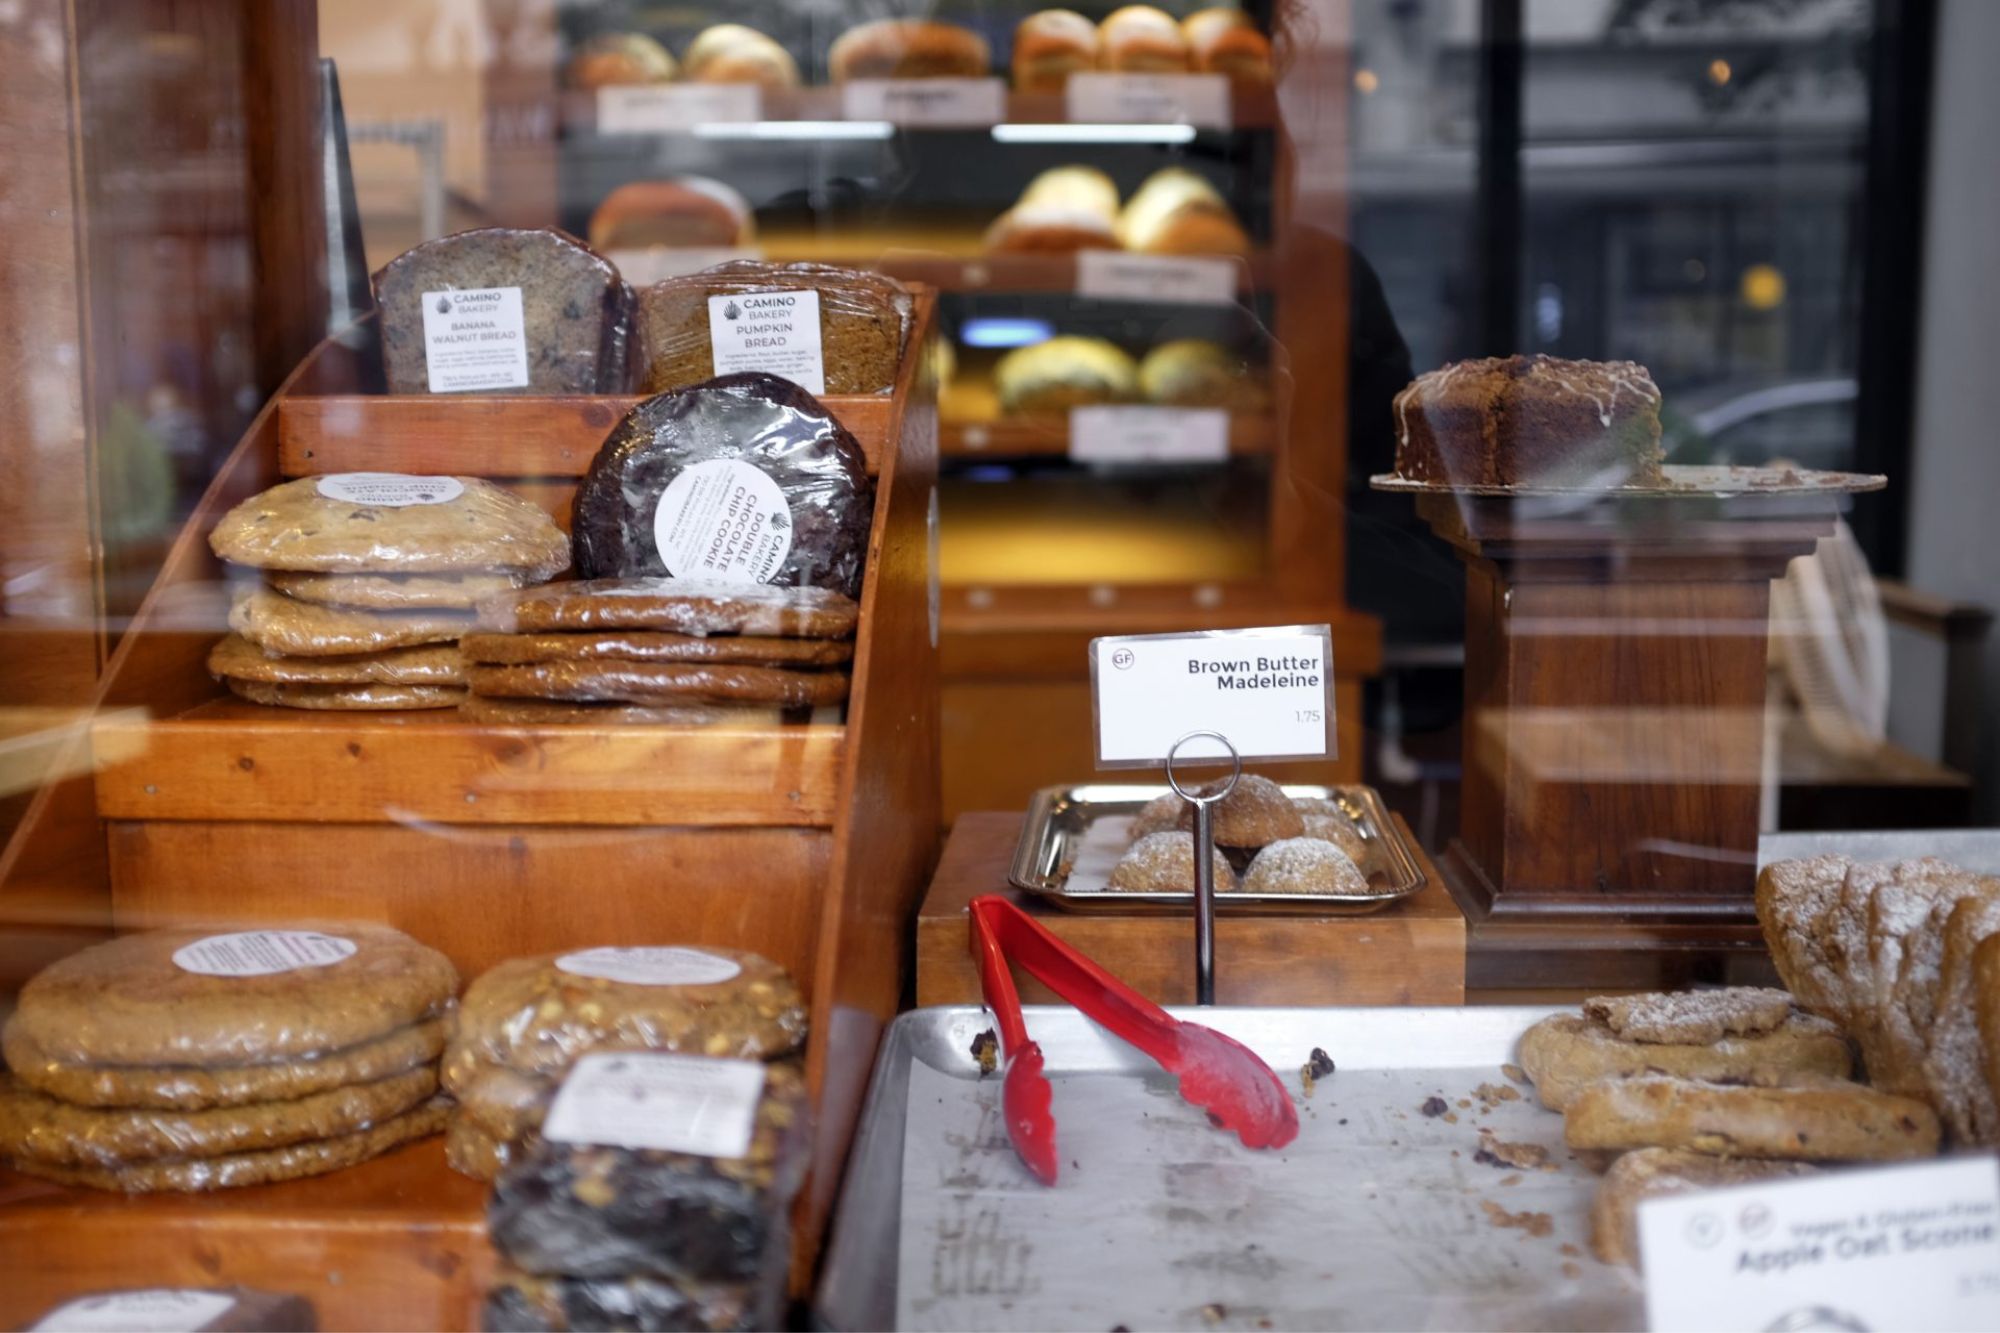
column 951, row 257
column 1249, row 109
column 808, row 843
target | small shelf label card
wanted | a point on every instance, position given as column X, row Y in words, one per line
column 1903, row 1247
column 676, row 108
column 1113, row 434
column 1098, row 97
column 1115, row 275
column 1269, row 690
column 938, row 103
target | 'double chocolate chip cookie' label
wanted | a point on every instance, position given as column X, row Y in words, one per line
column 389, row 490
column 261, row 953
column 151, row 1310
column 723, row 519
column 666, row 966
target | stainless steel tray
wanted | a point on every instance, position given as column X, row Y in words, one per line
column 1059, row 819
column 1375, row 1217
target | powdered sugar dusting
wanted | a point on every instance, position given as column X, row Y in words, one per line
column 1304, row 865
column 1692, row 1017
column 1164, row 863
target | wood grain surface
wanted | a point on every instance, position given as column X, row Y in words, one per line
column 1413, row 953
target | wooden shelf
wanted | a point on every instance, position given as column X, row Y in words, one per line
column 1250, row 109
column 233, row 761
column 1048, row 437
column 396, row 1243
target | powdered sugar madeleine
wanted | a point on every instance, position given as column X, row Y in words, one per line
column 1304, row 866
column 1164, row 863
column 390, row 523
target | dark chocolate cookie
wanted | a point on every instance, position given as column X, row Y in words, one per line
column 745, row 478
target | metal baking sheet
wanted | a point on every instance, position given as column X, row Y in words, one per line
column 1682, row 480
column 1073, row 835
column 1377, row 1216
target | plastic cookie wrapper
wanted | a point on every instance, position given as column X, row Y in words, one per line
column 536, row 1016
column 864, row 322
column 604, row 1212
column 523, row 1303
column 392, row 523
column 749, row 470
column 671, row 605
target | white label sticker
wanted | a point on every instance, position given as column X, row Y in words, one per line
column 1200, row 100
column 1907, row 1247
column 651, row 1099
column 676, row 108
column 475, row 339
column 667, row 966
column 964, row 102
column 1148, row 434
column 725, row 520
column 260, row 953
column 657, row 263
column 1115, row 275
column 1270, row 691
column 775, row 332
column 388, row 490
column 152, row 1310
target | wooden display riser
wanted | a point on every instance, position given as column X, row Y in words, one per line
column 807, row 842
column 1412, row 953
column 396, row 1243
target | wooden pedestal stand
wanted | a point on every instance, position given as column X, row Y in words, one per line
column 1614, row 722
column 808, row 843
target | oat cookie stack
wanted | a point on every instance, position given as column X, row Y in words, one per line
column 368, row 580
column 527, row 1020
column 193, row 1060
column 658, row 650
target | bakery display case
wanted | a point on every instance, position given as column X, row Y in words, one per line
column 567, row 584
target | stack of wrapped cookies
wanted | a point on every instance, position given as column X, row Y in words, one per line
column 1693, row 1091
column 642, row 1114
column 1279, row 843
column 656, row 649
column 190, row 1060
column 366, row 582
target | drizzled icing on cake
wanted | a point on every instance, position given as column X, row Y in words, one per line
column 1602, row 382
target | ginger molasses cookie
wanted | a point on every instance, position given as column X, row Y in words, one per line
column 539, row 712
column 660, row 683
column 207, row 998
column 653, row 646
column 278, row 624
column 236, row 658
column 676, row 606
column 347, row 698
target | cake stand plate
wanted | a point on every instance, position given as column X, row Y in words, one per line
column 1683, row 481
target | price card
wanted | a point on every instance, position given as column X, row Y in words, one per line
column 1270, row 691
column 934, row 102
column 148, row 1310
column 1200, row 100
column 652, row 1099
column 1115, row 275
column 1148, row 434
column 676, row 108
column 1908, row 1247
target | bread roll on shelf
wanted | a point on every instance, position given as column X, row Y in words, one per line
column 1195, row 372
column 908, row 49
column 1049, row 46
column 1063, row 210
column 732, row 53
column 1176, row 212
column 1140, row 39
column 1225, row 41
column 683, row 211
column 617, row 59
column 1064, row 372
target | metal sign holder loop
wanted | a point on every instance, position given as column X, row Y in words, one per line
column 1204, row 857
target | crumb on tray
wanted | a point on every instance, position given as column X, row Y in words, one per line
column 1535, row 1224
column 1518, row 1156
column 986, row 1050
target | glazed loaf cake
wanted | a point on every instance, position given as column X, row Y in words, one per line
column 575, row 309
column 1530, row 419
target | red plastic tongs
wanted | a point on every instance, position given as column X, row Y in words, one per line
column 1220, row 1075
